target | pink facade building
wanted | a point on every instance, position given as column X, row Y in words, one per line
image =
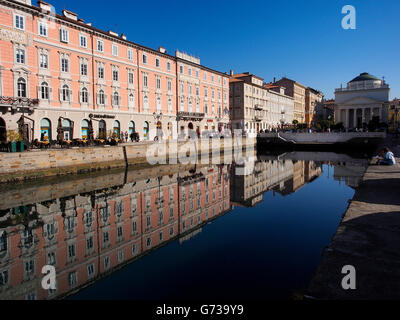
column 58, row 72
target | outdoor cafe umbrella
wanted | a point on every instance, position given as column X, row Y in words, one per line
column 60, row 131
column 91, row 132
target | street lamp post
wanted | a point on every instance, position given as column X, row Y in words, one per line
column 157, row 119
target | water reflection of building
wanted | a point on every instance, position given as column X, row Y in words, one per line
column 350, row 173
column 90, row 235
column 281, row 176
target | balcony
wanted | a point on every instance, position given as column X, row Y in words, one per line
column 191, row 116
column 258, row 107
column 19, row 104
column 363, row 86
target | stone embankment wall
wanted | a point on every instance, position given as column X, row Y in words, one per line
column 326, row 138
column 45, row 163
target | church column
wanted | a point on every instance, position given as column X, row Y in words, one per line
column 355, row 118
column 347, row 124
column 363, row 116
column 381, row 114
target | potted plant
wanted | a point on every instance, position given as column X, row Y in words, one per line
column 13, row 137
column 20, row 143
column 112, row 138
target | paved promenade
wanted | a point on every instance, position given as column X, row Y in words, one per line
column 368, row 239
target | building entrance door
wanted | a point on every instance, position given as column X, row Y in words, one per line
column 3, row 130
column 102, row 130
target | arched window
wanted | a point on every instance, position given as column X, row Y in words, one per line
column 131, row 127
column 45, row 130
column 145, row 102
column 117, row 129
column 102, row 130
column 84, row 95
column 116, row 99
column 190, row 106
column 44, row 91
column 146, row 131
column 158, row 104
column 67, row 128
column 65, row 94
column 3, row 130
column 131, row 101
column 3, row 242
column 85, row 129
column 169, row 104
column 102, row 98
column 66, row 123
column 21, row 88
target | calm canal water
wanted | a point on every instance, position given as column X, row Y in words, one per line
column 179, row 233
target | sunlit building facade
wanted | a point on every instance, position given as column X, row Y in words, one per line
column 58, row 72
column 365, row 98
column 256, row 106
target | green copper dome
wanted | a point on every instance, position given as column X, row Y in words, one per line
column 364, row 77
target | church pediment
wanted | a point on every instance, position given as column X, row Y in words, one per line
column 361, row 100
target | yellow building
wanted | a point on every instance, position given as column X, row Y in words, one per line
column 298, row 92
column 394, row 115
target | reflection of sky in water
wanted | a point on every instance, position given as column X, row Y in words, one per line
column 263, row 252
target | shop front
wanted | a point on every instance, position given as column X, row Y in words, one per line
column 85, row 130
column 45, row 130
column 190, row 124
column 117, row 129
column 67, row 129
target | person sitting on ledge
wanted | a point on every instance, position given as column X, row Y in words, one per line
column 386, row 158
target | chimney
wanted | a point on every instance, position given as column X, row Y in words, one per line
column 274, row 80
column 70, row 15
column 162, row 50
column 113, row 33
column 123, row 36
column 44, row 6
column 231, row 73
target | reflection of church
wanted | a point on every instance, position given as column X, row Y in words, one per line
column 91, row 227
column 350, row 173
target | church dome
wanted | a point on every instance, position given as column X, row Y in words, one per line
column 365, row 77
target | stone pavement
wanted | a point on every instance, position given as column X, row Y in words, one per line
column 368, row 239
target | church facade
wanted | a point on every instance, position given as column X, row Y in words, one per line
column 364, row 99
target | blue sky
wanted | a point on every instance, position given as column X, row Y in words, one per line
column 300, row 39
